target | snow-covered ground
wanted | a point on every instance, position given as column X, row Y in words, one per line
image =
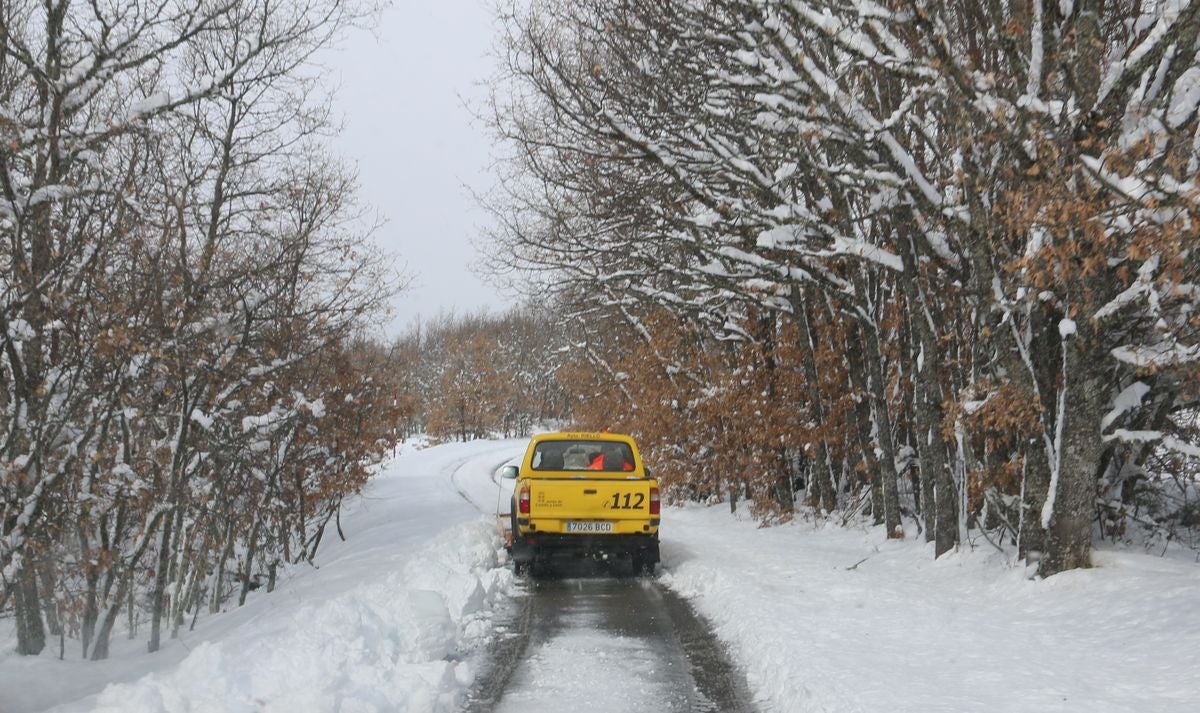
column 822, row 619
column 386, row 622
column 828, row 620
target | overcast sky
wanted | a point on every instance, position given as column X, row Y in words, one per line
column 403, row 96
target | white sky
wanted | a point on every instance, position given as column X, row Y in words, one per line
column 404, row 96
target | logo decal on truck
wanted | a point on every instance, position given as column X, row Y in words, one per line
column 542, row 501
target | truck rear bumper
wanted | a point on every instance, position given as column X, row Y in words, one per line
column 533, row 546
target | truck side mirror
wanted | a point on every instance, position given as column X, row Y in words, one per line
column 647, row 469
column 509, row 472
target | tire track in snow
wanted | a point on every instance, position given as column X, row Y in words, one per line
column 504, row 656
column 455, row 468
column 591, row 642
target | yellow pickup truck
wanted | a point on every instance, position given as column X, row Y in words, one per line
column 582, row 495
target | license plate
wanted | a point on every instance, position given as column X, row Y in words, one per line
column 573, row 526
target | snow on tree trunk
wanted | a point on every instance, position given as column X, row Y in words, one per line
column 158, row 593
column 883, row 435
column 827, row 494
column 1071, row 502
column 937, row 485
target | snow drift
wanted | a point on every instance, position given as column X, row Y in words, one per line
column 394, row 645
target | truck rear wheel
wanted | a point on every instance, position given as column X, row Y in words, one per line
column 651, row 557
column 644, row 561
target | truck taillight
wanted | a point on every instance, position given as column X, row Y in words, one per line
column 654, row 505
column 523, row 501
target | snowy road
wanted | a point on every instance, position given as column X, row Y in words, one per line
column 599, row 643
column 416, row 610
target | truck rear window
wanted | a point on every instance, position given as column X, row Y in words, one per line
column 603, row 456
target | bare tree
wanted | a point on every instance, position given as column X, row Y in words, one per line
column 180, row 257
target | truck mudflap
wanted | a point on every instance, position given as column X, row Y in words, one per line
column 504, row 528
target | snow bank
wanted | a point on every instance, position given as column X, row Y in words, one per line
column 826, row 620
column 393, row 645
column 391, row 618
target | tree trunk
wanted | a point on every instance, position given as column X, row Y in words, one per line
column 49, row 606
column 890, row 495
column 927, row 474
column 937, row 483
column 91, row 575
column 184, row 571
column 31, row 631
column 132, row 621
column 861, row 413
column 785, row 494
column 192, row 602
column 1045, row 352
column 251, row 553
column 827, row 500
column 214, row 604
column 947, row 497
column 91, row 610
column 1072, row 496
column 104, row 633
column 160, row 585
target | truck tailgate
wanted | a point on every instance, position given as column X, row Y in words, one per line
column 590, row 499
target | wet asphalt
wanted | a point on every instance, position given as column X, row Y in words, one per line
column 594, row 640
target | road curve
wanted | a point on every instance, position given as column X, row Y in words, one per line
column 599, row 643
